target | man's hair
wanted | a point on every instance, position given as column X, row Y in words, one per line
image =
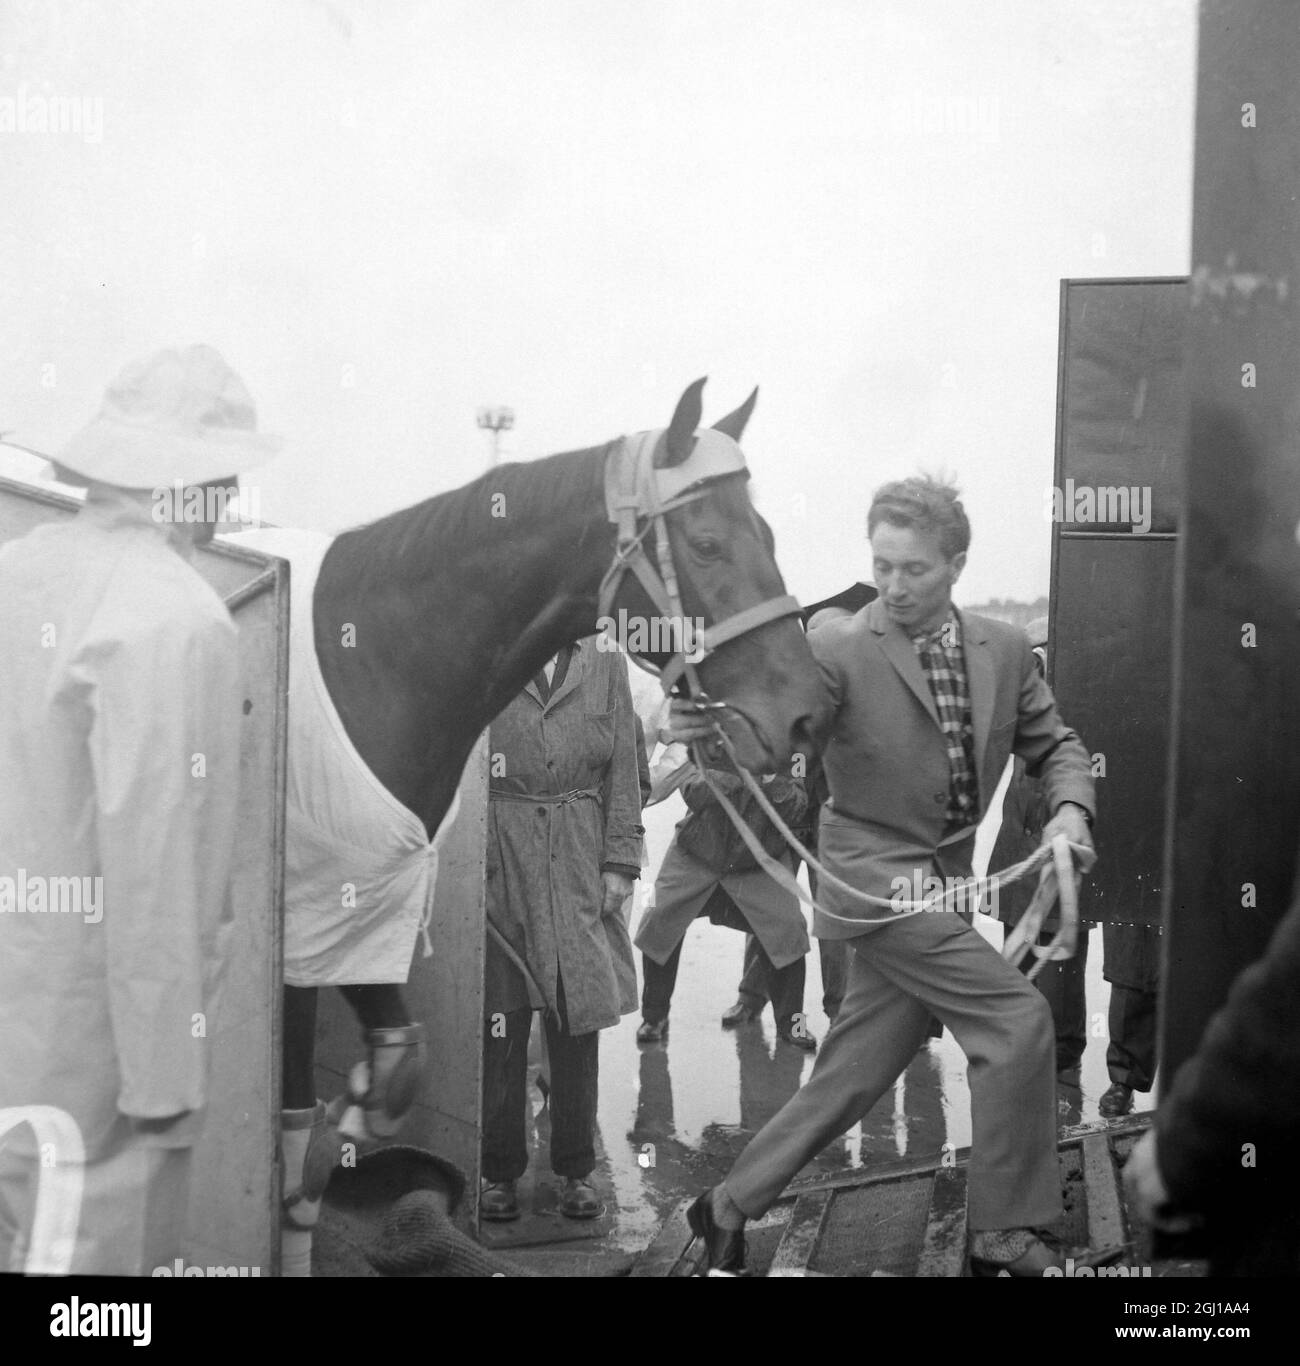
column 927, row 504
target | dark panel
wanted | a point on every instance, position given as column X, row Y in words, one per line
column 1235, row 801
column 1124, row 407
column 1114, row 597
column 1121, row 417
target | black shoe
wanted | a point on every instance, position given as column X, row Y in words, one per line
column 799, row 1038
column 578, row 1199
column 724, row 1248
column 740, row 1014
column 498, row 1202
column 1116, row 1101
column 652, row 1033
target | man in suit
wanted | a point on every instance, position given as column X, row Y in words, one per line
column 927, row 704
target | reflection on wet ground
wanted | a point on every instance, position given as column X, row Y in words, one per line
column 674, row 1116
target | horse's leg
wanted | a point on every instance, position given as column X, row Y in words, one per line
column 308, row 1149
column 383, row 1087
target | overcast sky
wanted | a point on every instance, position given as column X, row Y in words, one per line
column 386, row 214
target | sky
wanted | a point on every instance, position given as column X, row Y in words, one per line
column 388, row 214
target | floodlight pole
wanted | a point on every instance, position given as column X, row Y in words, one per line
column 496, row 421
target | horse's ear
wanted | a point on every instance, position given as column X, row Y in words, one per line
column 733, row 425
column 680, row 438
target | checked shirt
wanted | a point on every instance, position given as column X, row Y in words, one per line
column 944, row 662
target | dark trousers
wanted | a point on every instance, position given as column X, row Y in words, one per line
column 1063, row 985
column 784, row 986
column 574, row 1077
column 834, row 954
column 1131, row 1053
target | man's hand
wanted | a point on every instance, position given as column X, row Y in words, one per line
column 618, row 887
column 1072, row 822
column 1146, row 1190
column 687, row 723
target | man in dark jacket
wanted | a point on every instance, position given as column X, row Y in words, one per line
column 1222, row 1148
column 1024, row 813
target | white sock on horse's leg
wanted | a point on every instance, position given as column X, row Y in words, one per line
column 309, row 1152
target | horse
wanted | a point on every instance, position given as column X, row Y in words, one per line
column 456, row 602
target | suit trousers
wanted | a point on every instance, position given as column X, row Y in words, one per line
column 928, row 963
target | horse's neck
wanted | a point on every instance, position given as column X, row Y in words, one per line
column 428, row 622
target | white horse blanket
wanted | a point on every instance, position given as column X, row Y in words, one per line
column 359, row 870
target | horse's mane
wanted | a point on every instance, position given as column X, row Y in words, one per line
column 439, row 527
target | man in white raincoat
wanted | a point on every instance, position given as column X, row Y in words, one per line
column 119, row 746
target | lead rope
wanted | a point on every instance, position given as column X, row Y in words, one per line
column 1058, row 877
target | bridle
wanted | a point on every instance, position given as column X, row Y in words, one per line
column 636, row 491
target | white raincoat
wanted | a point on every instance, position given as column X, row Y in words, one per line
column 119, row 766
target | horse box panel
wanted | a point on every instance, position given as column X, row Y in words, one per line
column 1122, row 404
column 234, row 1194
column 1110, row 672
column 1120, row 423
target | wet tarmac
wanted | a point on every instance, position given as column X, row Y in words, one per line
column 674, row 1116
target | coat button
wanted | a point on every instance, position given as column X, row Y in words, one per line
column 541, row 811
column 941, row 796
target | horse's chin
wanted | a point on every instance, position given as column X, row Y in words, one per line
column 752, row 748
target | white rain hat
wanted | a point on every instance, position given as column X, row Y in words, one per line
column 176, row 415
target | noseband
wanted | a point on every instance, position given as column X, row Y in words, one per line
column 637, row 491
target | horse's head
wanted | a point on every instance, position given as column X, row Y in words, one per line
column 753, row 657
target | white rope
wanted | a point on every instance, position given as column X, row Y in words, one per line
column 1048, row 886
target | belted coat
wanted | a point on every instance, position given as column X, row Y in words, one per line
column 686, row 883
column 545, row 857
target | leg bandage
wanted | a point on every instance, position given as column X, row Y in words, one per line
column 382, row 1088
column 309, row 1152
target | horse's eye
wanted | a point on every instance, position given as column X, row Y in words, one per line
column 707, row 547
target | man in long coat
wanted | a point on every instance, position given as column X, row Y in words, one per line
column 120, row 709
column 564, row 845
column 743, row 898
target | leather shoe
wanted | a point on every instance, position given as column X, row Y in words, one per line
column 724, row 1248
column 578, row 1199
column 739, row 1014
column 1013, row 1252
column 1116, row 1101
column 498, row 1202
column 803, row 1039
column 652, row 1033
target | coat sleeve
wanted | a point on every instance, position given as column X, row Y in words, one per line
column 642, row 762
column 621, row 785
column 1051, row 750
column 1239, row 1088
column 164, row 748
